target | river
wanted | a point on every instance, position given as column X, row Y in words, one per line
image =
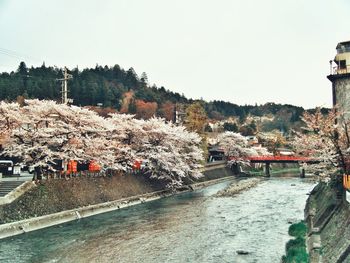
column 190, row 227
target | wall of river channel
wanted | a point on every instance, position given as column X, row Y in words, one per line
column 190, row 227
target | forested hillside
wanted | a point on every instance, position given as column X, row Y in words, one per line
column 125, row 91
column 104, row 85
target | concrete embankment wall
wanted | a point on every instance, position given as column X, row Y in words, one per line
column 35, row 223
column 61, row 201
column 215, row 170
column 52, row 196
column 328, row 219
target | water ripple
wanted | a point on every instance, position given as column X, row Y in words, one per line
column 193, row 227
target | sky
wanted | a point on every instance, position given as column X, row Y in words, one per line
column 245, row 52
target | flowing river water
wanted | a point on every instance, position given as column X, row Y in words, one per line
column 190, row 227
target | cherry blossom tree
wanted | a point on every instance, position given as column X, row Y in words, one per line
column 236, row 146
column 237, row 149
column 261, row 151
column 48, row 132
column 41, row 133
column 326, row 141
column 173, row 152
column 170, row 153
column 11, row 119
column 128, row 136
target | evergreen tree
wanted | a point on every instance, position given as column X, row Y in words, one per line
column 107, row 85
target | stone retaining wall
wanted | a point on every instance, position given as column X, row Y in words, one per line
column 328, row 219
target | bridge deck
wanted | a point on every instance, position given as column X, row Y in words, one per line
column 277, row 159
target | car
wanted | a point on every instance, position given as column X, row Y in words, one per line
column 29, row 169
column 6, row 167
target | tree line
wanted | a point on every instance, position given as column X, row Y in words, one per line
column 110, row 87
column 90, row 86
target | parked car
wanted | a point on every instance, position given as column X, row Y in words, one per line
column 29, row 169
column 6, row 167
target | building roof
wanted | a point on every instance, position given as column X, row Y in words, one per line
column 284, row 149
column 344, row 43
column 216, row 149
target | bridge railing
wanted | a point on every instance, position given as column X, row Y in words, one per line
column 274, row 158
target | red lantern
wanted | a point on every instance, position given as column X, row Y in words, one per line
column 346, row 181
column 94, row 167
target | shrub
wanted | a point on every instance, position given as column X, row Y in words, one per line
column 296, row 255
column 295, row 243
column 296, row 248
column 298, row 229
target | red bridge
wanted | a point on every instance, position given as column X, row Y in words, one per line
column 275, row 159
column 279, row 159
column 267, row 159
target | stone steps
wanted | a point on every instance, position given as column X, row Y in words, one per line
column 7, row 186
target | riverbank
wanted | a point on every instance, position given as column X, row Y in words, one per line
column 59, row 201
column 53, row 196
column 36, row 223
column 328, row 219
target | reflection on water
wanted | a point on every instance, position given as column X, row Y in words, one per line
column 192, row 227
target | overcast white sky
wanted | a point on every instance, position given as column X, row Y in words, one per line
column 244, row 52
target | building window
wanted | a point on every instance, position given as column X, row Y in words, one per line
column 342, row 64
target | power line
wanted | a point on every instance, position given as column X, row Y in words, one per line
column 9, row 54
column 15, row 54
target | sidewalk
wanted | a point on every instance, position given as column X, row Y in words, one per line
column 24, row 177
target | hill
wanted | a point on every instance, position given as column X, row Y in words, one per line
column 123, row 90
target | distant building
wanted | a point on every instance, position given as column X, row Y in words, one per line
column 259, row 119
column 253, row 141
column 216, row 154
column 340, row 78
column 212, row 140
column 216, row 126
column 270, row 136
column 284, row 152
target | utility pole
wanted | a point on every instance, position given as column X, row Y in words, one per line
column 175, row 118
column 178, row 114
column 64, row 85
